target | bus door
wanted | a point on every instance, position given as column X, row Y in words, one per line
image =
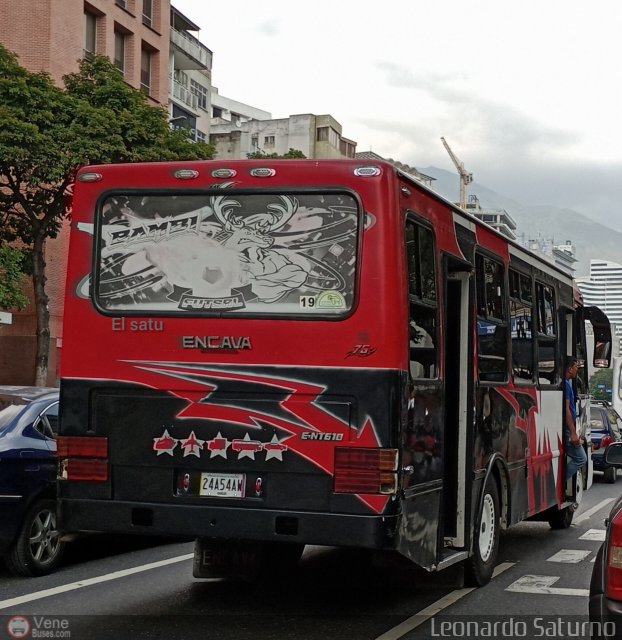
column 457, row 399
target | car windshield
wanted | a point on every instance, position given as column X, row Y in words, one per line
column 597, row 420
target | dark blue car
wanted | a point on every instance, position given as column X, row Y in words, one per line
column 30, row 542
column 605, row 425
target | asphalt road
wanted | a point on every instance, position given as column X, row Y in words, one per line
column 120, row 587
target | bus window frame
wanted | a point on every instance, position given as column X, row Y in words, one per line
column 436, row 305
column 218, row 190
column 484, row 254
column 555, row 338
column 523, row 382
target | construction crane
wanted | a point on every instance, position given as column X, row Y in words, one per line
column 465, row 177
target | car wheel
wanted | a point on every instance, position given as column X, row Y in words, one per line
column 38, row 548
column 610, row 475
column 479, row 567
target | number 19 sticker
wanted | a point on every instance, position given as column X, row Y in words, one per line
column 307, row 302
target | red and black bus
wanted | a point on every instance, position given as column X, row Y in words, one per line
column 271, row 353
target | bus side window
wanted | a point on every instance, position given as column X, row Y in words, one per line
column 548, row 370
column 492, row 356
column 422, row 307
column 521, row 304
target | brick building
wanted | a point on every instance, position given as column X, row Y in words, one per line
column 53, row 36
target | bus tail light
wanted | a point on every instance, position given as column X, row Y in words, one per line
column 605, row 442
column 87, row 470
column 613, row 571
column 82, row 458
column 365, row 470
column 81, row 447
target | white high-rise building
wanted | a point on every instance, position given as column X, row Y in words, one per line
column 603, row 288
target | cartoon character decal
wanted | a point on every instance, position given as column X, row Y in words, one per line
column 263, row 253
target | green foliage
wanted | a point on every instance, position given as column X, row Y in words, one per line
column 47, row 133
column 292, row 154
column 11, row 278
column 601, row 377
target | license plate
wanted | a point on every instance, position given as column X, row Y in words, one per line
column 222, row 485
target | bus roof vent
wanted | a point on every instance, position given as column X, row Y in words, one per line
column 224, row 173
column 366, row 172
column 186, row 174
column 90, row 177
column 262, row 172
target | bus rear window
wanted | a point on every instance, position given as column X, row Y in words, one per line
column 227, row 253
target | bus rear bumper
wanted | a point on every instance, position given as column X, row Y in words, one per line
column 208, row 521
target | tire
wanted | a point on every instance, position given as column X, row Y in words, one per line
column 38, row 549
column 610, row 475
column 561, row 518
column 479, row 567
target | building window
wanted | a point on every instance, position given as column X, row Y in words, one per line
column 255, row 142
column 121, row 3
column 216, row 112
column 145, row 71
column 90, row 35
column 147, row 12
column 119, row 50
column 200, row 92
column 200, row 136
column 328, row 134
column 268, row 141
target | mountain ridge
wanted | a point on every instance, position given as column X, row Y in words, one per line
column 591, row 239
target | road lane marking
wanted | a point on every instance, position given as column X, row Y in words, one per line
column 572, row 556
column 63, row 588
column 544, row 584
column 435, row 608
column 594, row 534
column 592, row 511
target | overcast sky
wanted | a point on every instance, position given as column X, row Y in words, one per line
column 528, row 94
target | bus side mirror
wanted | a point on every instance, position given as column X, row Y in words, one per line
column 602, row 357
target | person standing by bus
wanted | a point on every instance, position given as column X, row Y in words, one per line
column 573, row 442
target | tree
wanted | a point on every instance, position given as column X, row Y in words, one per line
column 47, row 133
column 600, row 384
column 291, row 154
column 11, row 278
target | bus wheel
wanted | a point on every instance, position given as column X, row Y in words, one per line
column 561, row 518
column 479, row 567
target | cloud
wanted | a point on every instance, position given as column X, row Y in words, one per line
column 269, row 28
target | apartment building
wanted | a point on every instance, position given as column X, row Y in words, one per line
column 316, row 136
column 603, row 288
column 53, row 36
column 190, row 78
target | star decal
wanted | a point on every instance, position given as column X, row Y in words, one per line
column 246, row 447
column 274, row 449
column 192, row 446
column 218, row 446
column 165, row 443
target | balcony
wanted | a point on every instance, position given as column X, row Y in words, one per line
column 189, row 53
column 182, row 94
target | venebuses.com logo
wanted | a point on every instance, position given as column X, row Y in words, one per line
column 18, row 627
column 38, row 627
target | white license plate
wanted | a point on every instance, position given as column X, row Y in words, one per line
column 222, row 485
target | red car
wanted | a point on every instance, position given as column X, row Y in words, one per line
column 605, row 606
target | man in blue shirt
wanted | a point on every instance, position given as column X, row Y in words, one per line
column 573, row 443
